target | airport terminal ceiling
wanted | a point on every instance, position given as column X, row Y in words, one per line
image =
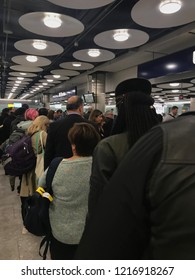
column 120, row 34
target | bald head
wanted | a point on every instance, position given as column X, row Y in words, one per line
column 75, row 103
column 73, row 99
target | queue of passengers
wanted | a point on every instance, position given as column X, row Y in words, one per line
column 124, row 188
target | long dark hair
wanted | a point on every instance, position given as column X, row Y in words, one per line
column 136, row 115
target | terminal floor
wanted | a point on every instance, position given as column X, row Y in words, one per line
column 13, row 244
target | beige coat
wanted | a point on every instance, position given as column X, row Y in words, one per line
column 29, row 180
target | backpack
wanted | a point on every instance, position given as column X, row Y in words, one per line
column 20, row 157
column 16, row 135
column 37, row 208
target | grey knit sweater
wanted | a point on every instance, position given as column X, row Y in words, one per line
column 70, row 204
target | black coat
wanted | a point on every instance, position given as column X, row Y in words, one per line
column 57, row 144
column 147, row 209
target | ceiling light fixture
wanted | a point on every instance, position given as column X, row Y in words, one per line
column 76, row 64
column 174, row 84
column 23, row 74
column 193, row 59
column 121, row 35
column 170, row 6
column 175, row 90
column 20, row 78
column 49, row 80
column 94, row 52
column 52, row 20
column 31, row 58
column 10, row 95
column 39, row 44
column 171, row 66
column 24, row 96
column 56, row 76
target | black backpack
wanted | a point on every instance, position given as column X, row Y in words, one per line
column 37, row 208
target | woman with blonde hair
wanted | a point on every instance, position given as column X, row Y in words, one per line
column 38, row 132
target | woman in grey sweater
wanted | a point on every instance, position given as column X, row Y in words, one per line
column 70, row 192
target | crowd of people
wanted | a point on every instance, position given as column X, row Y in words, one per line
column 125, row 186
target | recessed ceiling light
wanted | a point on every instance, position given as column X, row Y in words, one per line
column 24, row 96
column 76, row 64
column 193, row 59
column 52, row 20
column 20, row 78
column 50, row 80
column 31, row 58
column 39, row 44
column 171, row 66
column 94, row 52
column 56, row 76
column 170, row 6
column 121, row 35
column 175, row 90
column 174, row 84
column 23, row 74
column 10, row 95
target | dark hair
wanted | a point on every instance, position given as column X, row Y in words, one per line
column 59, row 111
column 136, row 115
column 174, row 107
column 20, row 111
column 85, row 137
column 75, row 105
column 43, row 111
column 5, row 112
column 50, row 114
column 25, row 106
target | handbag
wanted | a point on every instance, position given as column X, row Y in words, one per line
column 39, row 169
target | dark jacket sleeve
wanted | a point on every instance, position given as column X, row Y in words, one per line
column 119, row 228
column 103, row 166
column 107, row 156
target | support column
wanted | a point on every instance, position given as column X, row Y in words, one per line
column 98, row 87
column 192, row 104
column 46, row 100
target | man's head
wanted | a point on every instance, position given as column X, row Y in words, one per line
column 75, row 104
column 174, row 110
column 109, row 114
